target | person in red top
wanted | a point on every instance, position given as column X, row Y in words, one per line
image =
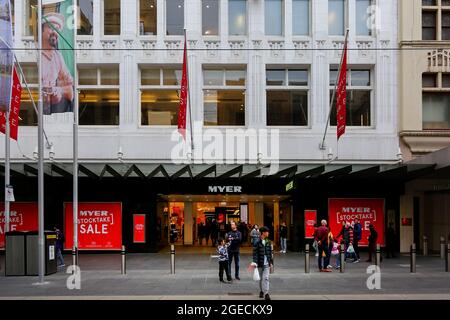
column 322, row 241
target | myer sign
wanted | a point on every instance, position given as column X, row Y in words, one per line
column 225, row 189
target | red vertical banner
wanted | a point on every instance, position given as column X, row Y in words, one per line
column 14, row 110
column 99, row 226
column 183, row 96
column 310, row 222
column 139, row 228
column 368, row 211
column 23, row 216
column 341, row 95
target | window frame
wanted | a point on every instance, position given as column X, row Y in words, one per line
column 288, row 87
column 219, row 16
column 102, row 20
column 138, row 21
column 372, row 32
column 346, row 20
column 98, row 87
column 32, row 86
column 438, row 9
column 85, row 36
column 310, row 21
column 238, row 36
column 25, row 24
column 160, row 87
column 439, row 88
column 370, row 88
column 165, row 20
column 282, row 22
column 222, row 87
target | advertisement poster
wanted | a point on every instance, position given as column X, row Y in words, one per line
column 23, row 217
column 58, row 73
column 368, row 211
column 16, row 95
column 310, row 222
column 139, row 228
column 99, row 226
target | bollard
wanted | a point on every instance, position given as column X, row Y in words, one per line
column 378, row 256
column 447, row 258
column 442, row 248
column 413, row 258
column 74, row 258
column 124, row 261
column 172, row 259
column 307, row 258
column 425, row 246
column 342, row 253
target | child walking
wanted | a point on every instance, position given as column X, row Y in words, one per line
column 222, row 250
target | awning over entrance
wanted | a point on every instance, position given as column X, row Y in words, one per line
column 169, row 171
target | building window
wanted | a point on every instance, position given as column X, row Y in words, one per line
column 147, row 17
column 85, row 17
column 224, row 97
column 160, row 96
column 111, row 17
column 210, row 17
column 174, row 17
column 300, row 17
column 30, row 14
column 363, row 18
column 99, row 95
column 287, row 97
column 359, row 96
column 273, row 13
column 27, row 114
column 436, row 101
column 237, row 16
column 435, row 20
column 336, row 17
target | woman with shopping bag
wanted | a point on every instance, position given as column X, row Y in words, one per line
column 262, row 262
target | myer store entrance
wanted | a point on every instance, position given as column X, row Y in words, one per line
column 201, row 219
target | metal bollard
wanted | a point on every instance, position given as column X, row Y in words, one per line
column 447, row 258
column 413, row 258
column 342, row 253
column 74, row 258
column 378, row 256
column 425, row 246
column 124, row 261
column 307, row 258
column 172, row 259
column 442, row 248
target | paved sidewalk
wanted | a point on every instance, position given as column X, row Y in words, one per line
column 148, row 277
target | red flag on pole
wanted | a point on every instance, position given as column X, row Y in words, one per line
column 16, row 94
column 341, row 101
column 183, row 96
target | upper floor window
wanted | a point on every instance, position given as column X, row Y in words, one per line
column 273, row 13
column 336, row 17
column 99, row 95
column 436, row 101
column 174, row 17
column 160, row 96
column 287, row 97
column 27, row 114
column 30, row 17
column 147, row 17
column 363, row 19
column 210, row 17
column 300, row 17
column 237, row 17
column 224, row 97
column 85, row 17
column 111, row 17
column 359, row 96
column 435, row 19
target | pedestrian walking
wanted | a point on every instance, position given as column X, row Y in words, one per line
column 283, row 237
column 373, row 237
column 255, row 234
column 357, row 233
column 59, row 247
column 263, row 260
column 322, row 242
column 222, row 250
column 235, row 239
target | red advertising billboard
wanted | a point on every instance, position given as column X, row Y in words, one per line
column 139, row 228
column 99, row 226
column 310, row 221
column 368, row 211
column 23, row 216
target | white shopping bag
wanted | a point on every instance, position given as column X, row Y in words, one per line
column 256, row 276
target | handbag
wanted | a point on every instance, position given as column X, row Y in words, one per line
column 256, row 276
column 350, row 249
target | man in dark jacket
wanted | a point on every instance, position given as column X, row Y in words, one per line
column 322, row 242
column 357, row 232
column 372, row 242
column 263, row 260
column 59, row 247
column 235, row 239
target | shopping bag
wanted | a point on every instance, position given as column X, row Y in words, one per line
column 256, row 276
column 350, row 249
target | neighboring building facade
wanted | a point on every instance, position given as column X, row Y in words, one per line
column 253, row 65
column 424, row 116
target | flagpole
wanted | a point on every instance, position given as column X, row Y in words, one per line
column 75, row 147
column 322, row 145
column 41, row 247
column 189, row 97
